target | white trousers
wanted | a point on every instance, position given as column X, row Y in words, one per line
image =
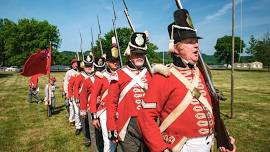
column 200, row 144
column 74, row 114
column 108, row 145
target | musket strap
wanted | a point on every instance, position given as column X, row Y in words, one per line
column 104, row 95
column 92, row 79
column 178, row 147
column 192, row 87
column 176, row 112
column 106, row 75
column 181, row 107
column 136, row 79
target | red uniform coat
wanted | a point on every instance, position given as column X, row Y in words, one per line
column 71, row 83
column 33, row 81
column 167, row 93
column 78, row 83
column 119, row 113
column 85, row 93
column 101, row 85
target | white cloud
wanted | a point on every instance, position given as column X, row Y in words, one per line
column 226, row 8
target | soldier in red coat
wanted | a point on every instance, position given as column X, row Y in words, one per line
column 180, row 99
column 86, row 73
column 126, row 90
column 99, row 94
column 85, row 93
column 74, row 111
column 33, row 89
column 70, row 73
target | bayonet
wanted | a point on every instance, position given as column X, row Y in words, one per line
column 100, row 44
column 128, row 17
column 81, row 46
column 92, row 42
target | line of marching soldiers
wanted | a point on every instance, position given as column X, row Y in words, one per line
column 123, row 104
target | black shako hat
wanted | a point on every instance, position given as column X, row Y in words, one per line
column 88, row 60
column 182, row 27
column 99, row 63
column 137, row 43
column 112, row 54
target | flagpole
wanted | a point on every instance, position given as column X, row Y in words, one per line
column 49, row 77
column 50, row 56
column 232, row 60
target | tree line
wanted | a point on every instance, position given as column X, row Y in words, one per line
column 19, row 40
column 258, row 49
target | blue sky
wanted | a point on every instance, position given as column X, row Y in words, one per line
column 212, row 18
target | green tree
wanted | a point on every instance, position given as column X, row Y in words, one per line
column 6, row 27
column 224, row 48
column 124, row 37
column 62, row 58
column 252, row 44
column 260, row 49
column 25, row 37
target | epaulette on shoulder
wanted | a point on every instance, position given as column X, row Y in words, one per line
column 99, row 74
column 161, row 69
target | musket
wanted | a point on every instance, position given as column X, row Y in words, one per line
column 77, row 56
column 222, row 136
column 81, row 47
column 116, row 36
column 128, row 17
column 99, row 34
column 133, row 29
column 92, row 41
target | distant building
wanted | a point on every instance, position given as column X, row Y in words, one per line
column 256, row 65
column 252, row 65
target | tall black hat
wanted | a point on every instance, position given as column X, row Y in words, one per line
column 137, row 43
column 182, row 27
column 99, row 63
column 88, row 60
column 112, row 55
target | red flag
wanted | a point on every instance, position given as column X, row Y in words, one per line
column 38, row 63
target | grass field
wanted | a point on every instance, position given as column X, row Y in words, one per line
column 26, row 127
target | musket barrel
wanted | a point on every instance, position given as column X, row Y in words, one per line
column 211, row 85
column 81, row 47
column 178, row 4
column 100, row 44
column 92, row 42
column 129, row 20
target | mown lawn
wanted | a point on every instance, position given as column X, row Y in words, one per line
column 250, row 125
column 26, row 127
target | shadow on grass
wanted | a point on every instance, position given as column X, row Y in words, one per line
column 5, row 75
column 226, row 116
column 59, row 109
